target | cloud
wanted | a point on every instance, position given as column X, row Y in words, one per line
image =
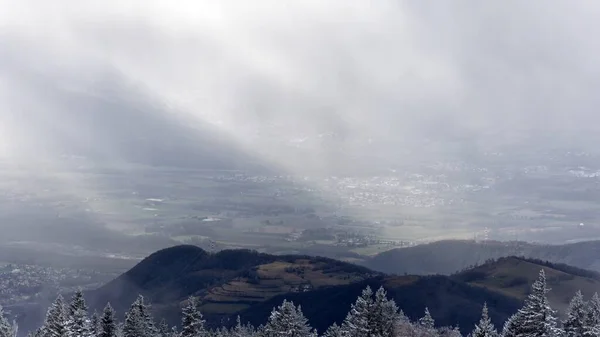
column 385, row 70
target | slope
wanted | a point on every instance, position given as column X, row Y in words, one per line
column 513, row 276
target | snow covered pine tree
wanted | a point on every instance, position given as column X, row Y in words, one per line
column 108, row 323
column 192, row 322
column 536, row 318
column 6, row 328
column 287, row 320
column 55, row 324
column 484, row 328
column 78, row 323
column 574, row 325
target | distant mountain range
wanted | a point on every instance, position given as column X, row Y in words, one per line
column 450, row 256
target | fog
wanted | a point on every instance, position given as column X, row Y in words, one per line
column 80, row 78
column 315, row 88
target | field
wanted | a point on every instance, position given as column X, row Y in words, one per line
column 270, row 280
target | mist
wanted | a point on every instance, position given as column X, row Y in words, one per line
column 411, row 104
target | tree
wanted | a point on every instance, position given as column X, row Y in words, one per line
column 56, row 319
column 138, row 321
column 427, row 321
column 383, row 315
column 163, row 329
column 287, row 320
column 592, row 317
column 511, row 326
column 95, row 326
column 536, row 318
column 449, row 332
column 403, row 326
column 334, row 331
column 108, row 324
column 78, row 323
column 357, row 322
column 6, row 328
column 484, row 328
column 192, row 322
column 240, row 330
column 574, row 324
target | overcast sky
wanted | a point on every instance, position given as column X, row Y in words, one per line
column 356, row 67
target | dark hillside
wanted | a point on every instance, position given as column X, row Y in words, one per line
column 450, row 302
column 227, row 281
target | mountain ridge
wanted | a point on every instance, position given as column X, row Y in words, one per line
column 449, row 256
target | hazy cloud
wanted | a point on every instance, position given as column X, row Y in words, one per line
column 362, row 69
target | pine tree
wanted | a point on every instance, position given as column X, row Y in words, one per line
column 240, row 330
column 78, row 323
column 403, row 326
column 138, row 321
column 192, row 323
column 574, row 325
column 536, row 318
column 334, row 331
column 108, row 324
column 163, row 329
column 427, row 321
column 447, row 332
column 6, row 328
column 484, row 328
column 95, row 326
column 56, row 319
column 287, row 320
column 511, row 326
column 592, row 317
column 383, row 315
column 148, row 321
column 357, row 322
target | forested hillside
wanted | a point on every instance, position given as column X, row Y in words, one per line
column 372, row 314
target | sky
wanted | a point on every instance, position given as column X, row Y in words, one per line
column 110, row 77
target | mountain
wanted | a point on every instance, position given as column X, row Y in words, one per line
column 449, row 256
column 513, row 276
column 226, row 282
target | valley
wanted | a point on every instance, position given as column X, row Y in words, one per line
column 137, row 209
